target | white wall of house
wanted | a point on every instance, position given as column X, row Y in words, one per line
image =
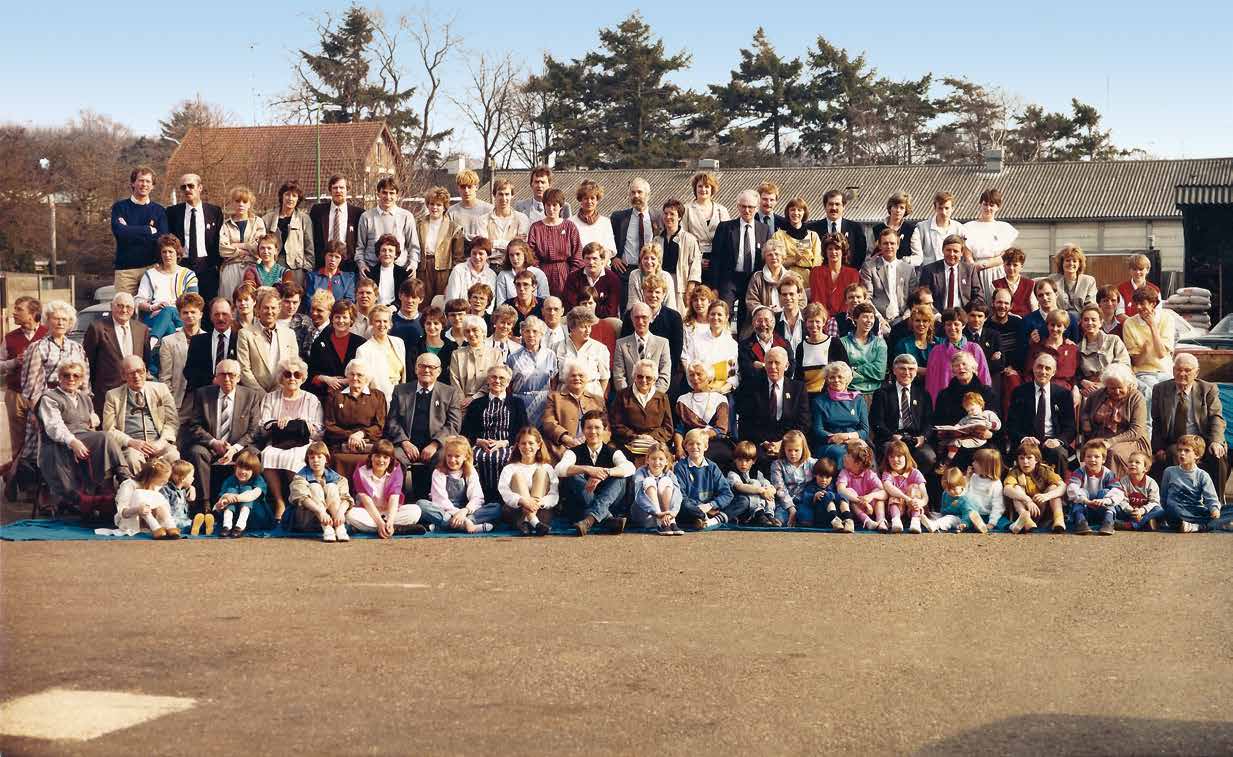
column 1040, row 240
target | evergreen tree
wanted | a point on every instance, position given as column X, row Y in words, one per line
column 765, row 90
column 842, row 105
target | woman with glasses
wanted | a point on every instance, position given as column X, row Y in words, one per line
column 290, row 419
column 74, row 454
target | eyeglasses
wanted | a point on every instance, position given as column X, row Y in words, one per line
column 188, row 186
column 72, row 375
column 228, row 374
column 427, row 367
column 293, row 374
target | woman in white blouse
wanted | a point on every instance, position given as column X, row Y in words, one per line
column 592, row 227
column 385, row 355
column 703, row 215
column 987, row 238
column 474, row 271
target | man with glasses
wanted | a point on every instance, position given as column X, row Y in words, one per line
column 109, row 340
column 196, row 224
column 223, row 426
column 137, row 222
column 421, row 415
column 142, row 417
column 736, row 253
column 387, row 218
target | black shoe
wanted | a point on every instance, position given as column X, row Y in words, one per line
column 225, row 533
column 1082, row 528
column 414, row 529
column 542, row 528
column 236, row 533
column 524, row 528
column 584, row 526
column 615, row 525
column 763, row 519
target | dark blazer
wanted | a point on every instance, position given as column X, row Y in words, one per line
column 726, row 247
column 324, row 361
column 934, row 277
column 177, row 224
column 857, row 247
column 245, row 418
column 758, row 422
column 1021, row 417
column 103, row 354
column 473, row 420
column 199, row 364
column 620, row 227
column 1206, row 401
column 884, row 412
column 444, row 417
column 749, row 351
column 906, row 229
column 320, row 215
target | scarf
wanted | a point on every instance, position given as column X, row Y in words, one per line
column 842, row 396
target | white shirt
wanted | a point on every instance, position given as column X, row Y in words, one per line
column 432, row 229
column 794, row 334
column 631, row 248
column 621, row 466
column 386, row 293
column 188, row 215
column 892, row 309
column 600, row 231
column 927, row 240
column 124, row 336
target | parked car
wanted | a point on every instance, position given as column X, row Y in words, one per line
column 1219, row 337
column 88, row 315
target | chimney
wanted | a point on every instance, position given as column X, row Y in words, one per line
column 708, row 164
column 456, row 165
column 993, row 160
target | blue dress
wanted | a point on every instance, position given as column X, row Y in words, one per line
column 531, row 379
column 836, row 417
column 260, row 517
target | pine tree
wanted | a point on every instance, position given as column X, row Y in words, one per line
column 842, row 105
column 765, row 90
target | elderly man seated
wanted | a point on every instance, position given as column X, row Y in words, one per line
column 423, row 414
column 1184, row 405
column 141, row 416
column 223, row 425
column 641, row 345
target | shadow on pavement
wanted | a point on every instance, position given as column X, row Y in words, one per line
column 1054, row 734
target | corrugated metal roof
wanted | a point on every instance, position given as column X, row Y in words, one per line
column 1190, row 194
column 1117, row 190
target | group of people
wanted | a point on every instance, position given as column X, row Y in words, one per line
column 673, row 367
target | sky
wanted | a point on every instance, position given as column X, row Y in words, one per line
column 1159, row 74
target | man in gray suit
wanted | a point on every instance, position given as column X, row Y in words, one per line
column 420, row 418
column 952, row 280
column 223, row 425
column 641, row 345
column 1185, row 405
column 888, row 278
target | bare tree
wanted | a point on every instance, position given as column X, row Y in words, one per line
column 434, row 43
column 490, row 104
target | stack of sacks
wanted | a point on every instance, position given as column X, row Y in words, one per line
column 1193, row 304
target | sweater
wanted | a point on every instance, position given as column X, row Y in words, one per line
column 703, row 485
column 136, row 240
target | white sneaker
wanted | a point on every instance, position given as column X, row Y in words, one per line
column 712, row 523
column 341, row 534
column 480, row 528
column 896, row 525
column 914, row 525
column 327, row 534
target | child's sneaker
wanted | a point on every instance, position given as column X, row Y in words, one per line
column 721, row 517
column 203, row 523
column 327, row 534
column 849, row 526
column 225, row 533
column 172, row 533
column 896, row 525
column 1059, row 524
column 914, row 525
column 664, row 528
column 836, row 523
column 341, row 534
column 676, row 530
column 882, row 527
column 1082, row 528
column 1188, row 528
column 710, row 523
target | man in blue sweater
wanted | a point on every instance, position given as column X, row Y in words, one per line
column 137, row 223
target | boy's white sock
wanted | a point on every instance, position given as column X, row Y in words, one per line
column 533, row 519
column 227, row 518
column 242, row 521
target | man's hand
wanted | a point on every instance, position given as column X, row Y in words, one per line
column 1051, row 443
column 218, row 446
column 1219, row 450
column 618, row 265
column 227, row 457
column 429, row 450
column 568, row 441
column 599, row 474
column 412, row 452
column 144, row 448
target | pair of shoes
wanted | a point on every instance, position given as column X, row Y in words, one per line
column 159, row 533
column 542, row 528
column 615, row 524
column 664, row 528
column 172, row 534
column 237, row 532
column 676, row 530
column 584, row 526
column 914, row 525
column 328, row 533
column 413, row 529
column 225, row 533
column 1023, row 524
column 340, row 532
column 202, row 523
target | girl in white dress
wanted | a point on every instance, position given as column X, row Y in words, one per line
column 987, row 238
column 528, row 485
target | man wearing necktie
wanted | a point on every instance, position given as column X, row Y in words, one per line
column 1045, row 412
column 952, row 280
column 834, row 223
column 111, row 339
column 633, row 228
column 736, row 253
column 768, row 198
column 1184, row 405
column 903, row 411
column 335, row 219
column 142, row 417
column 422, row 415
column 196, row 224
column 224, row 424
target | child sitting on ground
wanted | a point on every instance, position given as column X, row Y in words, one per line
column 243, row 493
column 861, row 487
column 138, row 501
column 378, row 492
column 788, row 474
column 1187, row 493
column 753, row 497
column 529, row 486
column 594, row 476
column 657, row 498
column 985, row 486
column 818, row 504
column 1093, row 491
column 320, row 494
column 456, row 498
column 705, row 492
column 905, row 489
column 1035, row 490
column 178, row 491
column 958, row 509
column 1142, row 506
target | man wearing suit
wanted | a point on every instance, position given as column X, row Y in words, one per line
column 336, row 220
column 173, row 352
column 1055, row 429
column 641, row 345
column 835, row 223
column 141, row 417
column 196, row 225
column 888, row 278
column 634, row 227
column 1186, row 405
column 209, row 348
column 263, row 345
column 953, row 281
column 764, row 422
column 665, row 322
column 533, row 206
column 768, row 198
column 903, row 412
column 111, row 339
column 736, row 253
column 223, row 426
column 421, row 416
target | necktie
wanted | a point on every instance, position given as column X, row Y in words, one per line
column 1041, row 411
column 950, row 288
column 220, row 353
column 1179, row 416
column 641, row 234
column 126, row 341
column 774, row 400
column 192, row 234
column 905, row 409
column 833, row 229
column 224, row 418
column 336, row 232
column 747, row 253
column 641, row 348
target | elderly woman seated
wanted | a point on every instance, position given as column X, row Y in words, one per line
column 704, row 408
column 640, row 415
column 565, row 407
column 74, row 455
column 950, row 409
column 354, row 419
column 580, row 345
column 1117, row 414
column 289, row 419
column 840, row 416
column 491, row 422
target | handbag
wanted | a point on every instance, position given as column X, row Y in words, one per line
column 294, row 434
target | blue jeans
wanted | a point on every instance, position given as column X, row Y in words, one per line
column 431, row 514
column 597, row 504
column 1083, row 512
